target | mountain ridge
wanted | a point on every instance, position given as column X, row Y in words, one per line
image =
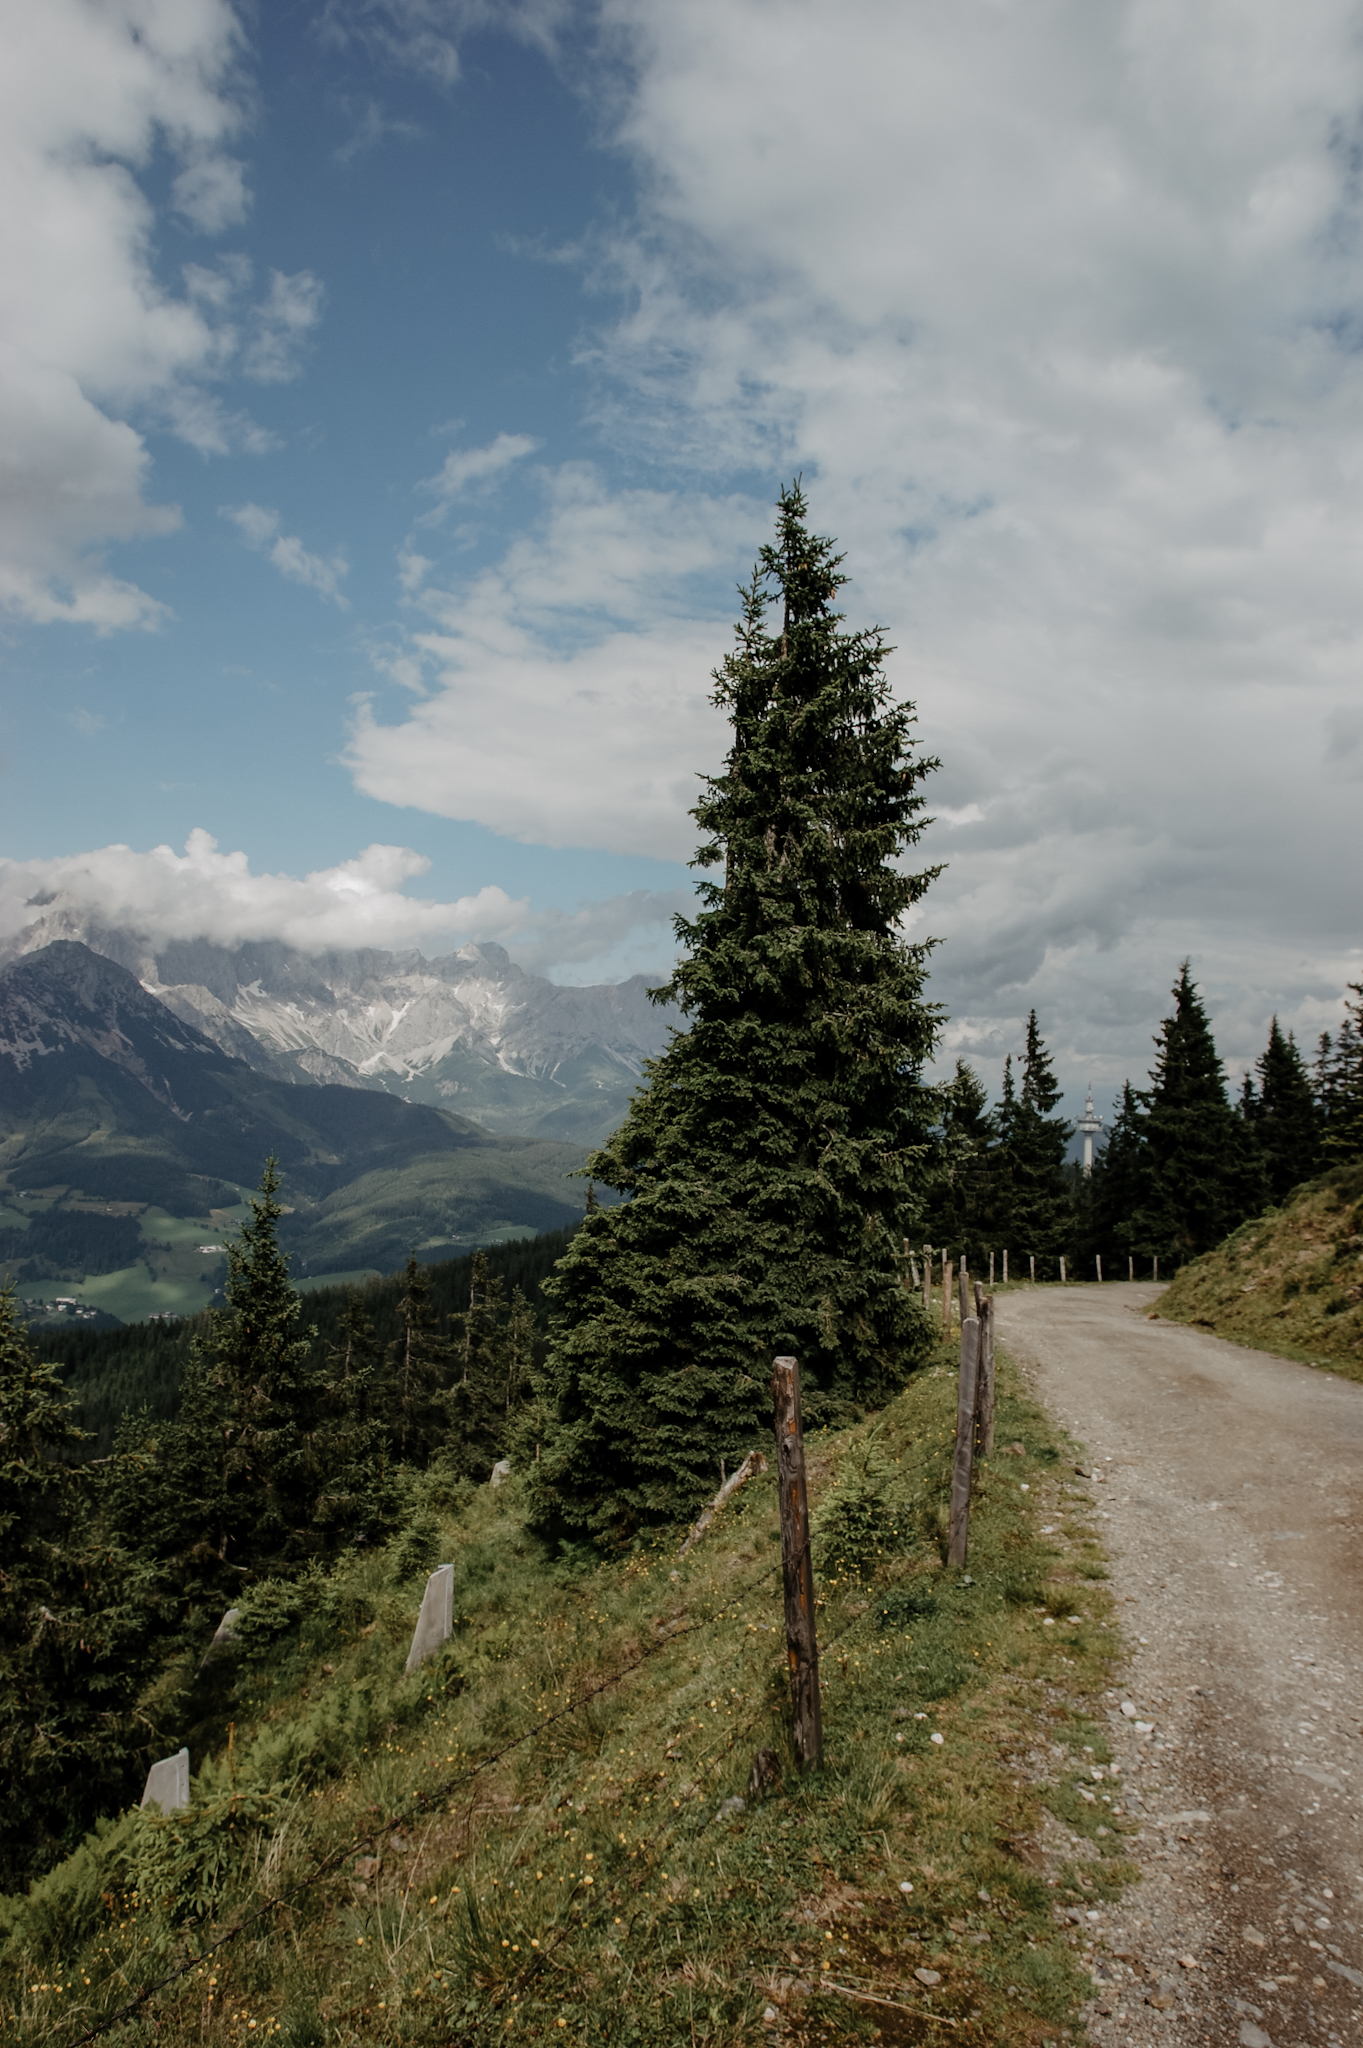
column 516, row 1052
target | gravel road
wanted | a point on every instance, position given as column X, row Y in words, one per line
column 1229, row 1488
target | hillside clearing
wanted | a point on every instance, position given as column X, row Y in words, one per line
column 532, row 1837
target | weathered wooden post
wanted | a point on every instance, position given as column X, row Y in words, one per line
column 797, row 1566
column 1031, row 1266
column 991, row 1267
column 1131, row 1269
column 946, row 1299
column 927, row 1279
column 1062, row 1269
column 1005, row 1268
column 965, row 1441
column 965, row 1289
column 985, row 1399
column 1157, row 1265
column 1098, row 1262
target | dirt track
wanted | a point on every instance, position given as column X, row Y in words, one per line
column 1232, row 1505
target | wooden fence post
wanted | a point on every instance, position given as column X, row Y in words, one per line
column 797, row 1566
column 985, row 1397
column 1005, row 1268
column 1098, row 1262
column 1157, row 1265
column 927, row 1279
column 1131, row 1269
column 1062, row 1269
column 946, row 1299
column 1031, row 1266
column 965, row 1441
column 965, row 1289
column 991, row 1269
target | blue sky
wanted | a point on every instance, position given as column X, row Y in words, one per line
column 395, row 390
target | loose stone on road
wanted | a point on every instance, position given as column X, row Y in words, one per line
column 1229, row 1490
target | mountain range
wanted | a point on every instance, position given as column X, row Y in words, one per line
column 471, row 1031
column 119, row 1115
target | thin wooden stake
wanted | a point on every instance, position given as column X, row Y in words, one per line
column 965, row 1290
column 1131, row 1269
column 965, row 1441
column 991, row 1268
column 985, row 1398
column 1031, row 1266
column 1062, row 1269
column 1005, row 1269
column 946, row 1299
column 1098, row 1262
column 796, row 1564
column 927, row 1279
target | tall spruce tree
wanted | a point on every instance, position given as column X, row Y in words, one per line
column 961, row 1205
column 1284, row 1116
column 773, row 1161
column 1203, row 1172
column 422, row 1372
column 1118, row 1187
column 1033, row 1141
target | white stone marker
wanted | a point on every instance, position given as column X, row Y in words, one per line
column 435, row 1622
column 500, row 1471
column 223, row 1636
column 168, row 1782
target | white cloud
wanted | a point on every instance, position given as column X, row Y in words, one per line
column 424, row 35
column 1057, row 308
column 89, row 95
column 280, row 325
column 86, row 92
column 567, row 691
column 211, row 193
column 465, row 466
column 259, row 527
column 202, row 893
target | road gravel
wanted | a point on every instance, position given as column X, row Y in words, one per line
column 1229, row 1491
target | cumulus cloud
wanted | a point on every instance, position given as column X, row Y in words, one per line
column 1057, row 309
column 424, row 35
column 88, row 335
column 563, row 697
column 259, row 528
column 204, row 894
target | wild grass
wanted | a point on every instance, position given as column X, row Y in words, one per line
column 538, row 1837
column 1290, row 1282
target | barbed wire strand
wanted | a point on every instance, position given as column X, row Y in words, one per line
column 421, row 1802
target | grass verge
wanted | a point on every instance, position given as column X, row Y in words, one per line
column 1290, row 1282
column 551, row 1832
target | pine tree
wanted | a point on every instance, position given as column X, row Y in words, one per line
column 1118, row 1187
column 355, row 1497
column 263, row 1371
column 1343, row 1135
column 961, row 1205
column 1284, row 1116
column 422, row 1373
column 774, row 1160
column 72, row 1622
column 1203, row 1174
column 1040, row 1215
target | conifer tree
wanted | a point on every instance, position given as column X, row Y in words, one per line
column 1118, row 1187
column 1033, row 1141
column 1203, row 1175
column 775, row 1158
column 421, row 1375
column 355, row 1495
column 1343, row 1135
column 262, row 1369
column 1284, row 1116
column 72, row 1622
column 961, row 1209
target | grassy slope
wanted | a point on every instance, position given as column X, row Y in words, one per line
column 542, row 1800
column 1291, row 1282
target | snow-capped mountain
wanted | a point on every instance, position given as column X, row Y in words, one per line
column 471, row 1031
